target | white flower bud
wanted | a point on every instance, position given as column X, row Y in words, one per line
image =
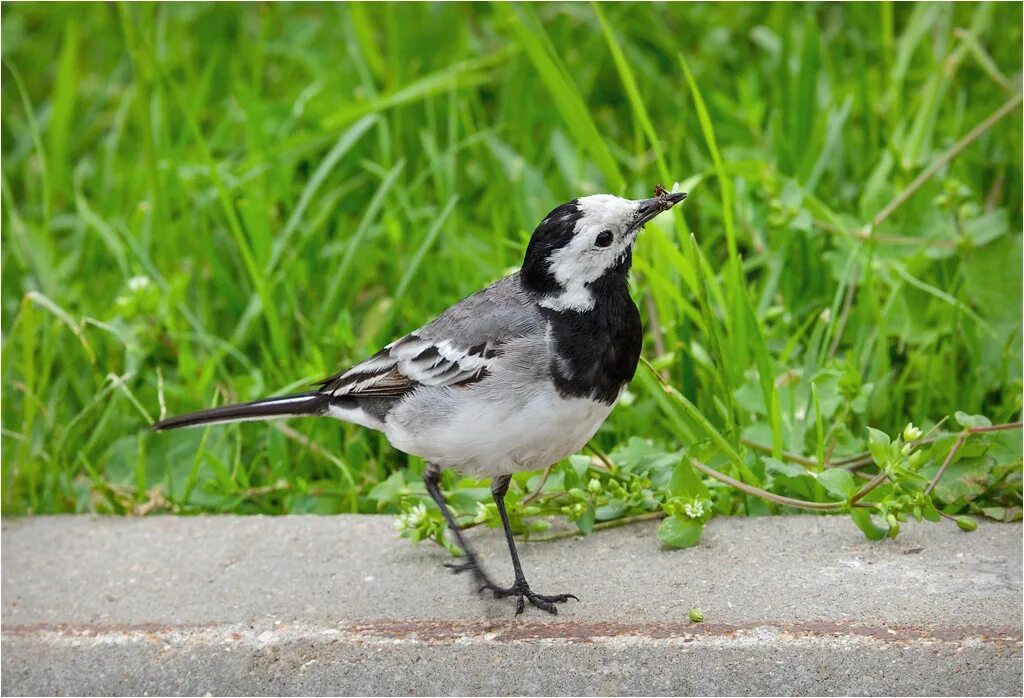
column 911, row 433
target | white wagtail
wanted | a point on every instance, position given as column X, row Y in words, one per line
column 515, row 377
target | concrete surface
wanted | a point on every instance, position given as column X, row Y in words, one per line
column 340, row 605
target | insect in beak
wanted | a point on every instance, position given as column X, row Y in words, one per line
column 662, row 201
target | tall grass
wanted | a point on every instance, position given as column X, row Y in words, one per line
column 205, row 203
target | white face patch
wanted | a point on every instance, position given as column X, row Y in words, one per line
column 583, row 261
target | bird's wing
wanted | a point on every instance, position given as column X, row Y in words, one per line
column 411, row 362
column 456, row 349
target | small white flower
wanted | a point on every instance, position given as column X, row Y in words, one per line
column 411, row 519
column 138, row 283
column 417, row 515
column 694, row 509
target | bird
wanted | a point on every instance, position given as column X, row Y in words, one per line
column 516, row 376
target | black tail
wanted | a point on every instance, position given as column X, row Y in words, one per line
column 295, row 405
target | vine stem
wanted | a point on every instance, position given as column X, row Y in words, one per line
column 824, row 507
column 865, row 234
column 606, row 462
column 943, row 159
column 871, row 484
column 765, row 494
column 540, row 486
column 960, row 442
column 604, row 525
column 786, row 455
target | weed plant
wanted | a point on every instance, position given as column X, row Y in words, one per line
column 204, row 203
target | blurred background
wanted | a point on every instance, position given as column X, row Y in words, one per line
column 213, row 202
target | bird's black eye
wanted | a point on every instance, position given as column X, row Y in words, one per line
column 604, row 238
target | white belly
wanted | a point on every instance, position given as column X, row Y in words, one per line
column 494, row 432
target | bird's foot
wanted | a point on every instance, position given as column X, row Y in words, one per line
column 521, row 590
column 472, row 565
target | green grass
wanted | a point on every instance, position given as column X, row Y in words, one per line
column 204, row 203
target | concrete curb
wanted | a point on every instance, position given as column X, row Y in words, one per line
column 338, row 605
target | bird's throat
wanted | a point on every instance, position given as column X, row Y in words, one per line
column 596, row 350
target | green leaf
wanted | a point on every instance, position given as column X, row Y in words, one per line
column 797, row 479
column 629, row 455
column 929, row 511
column 465, row 499
column 907, row 477
column 555, row 482
column 878, row 446
column 1004, row 514
column 570, row 479
column 786, row 469
column 988, row 272
column 986, row 228
column 826, row 382
column 580, row 464
column 390, row 491
column 968, row 421
column 963, row 480
column 750, row 396
column 586, row 522
column 862, row 518
column 685, row 482
column 679, row 533
column 612, row 510
column 838, row 482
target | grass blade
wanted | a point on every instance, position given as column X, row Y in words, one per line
column 566, row 96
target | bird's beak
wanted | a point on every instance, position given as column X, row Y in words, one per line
column 649, row 208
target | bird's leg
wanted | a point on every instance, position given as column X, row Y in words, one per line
column 431, row 476
column 520, row 589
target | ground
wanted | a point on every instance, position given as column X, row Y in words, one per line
column 301, row 605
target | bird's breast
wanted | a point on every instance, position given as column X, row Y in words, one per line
column 596, row 352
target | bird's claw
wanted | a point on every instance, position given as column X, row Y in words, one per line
column 521, row 590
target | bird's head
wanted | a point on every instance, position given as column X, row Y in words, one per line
column 583, row 242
